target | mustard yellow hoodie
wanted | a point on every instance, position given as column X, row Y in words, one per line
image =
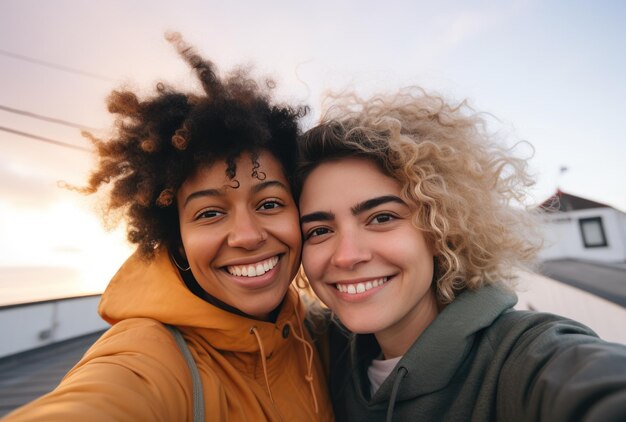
column 135, row 371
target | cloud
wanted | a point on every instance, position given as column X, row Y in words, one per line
column 461, row 26
column 19, row 186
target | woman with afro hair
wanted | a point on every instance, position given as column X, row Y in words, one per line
column 412, row 234
column 204, row 184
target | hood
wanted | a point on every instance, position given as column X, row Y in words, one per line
column 154, row 289
column 436, row 355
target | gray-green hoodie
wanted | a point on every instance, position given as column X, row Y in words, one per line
column 480, row 360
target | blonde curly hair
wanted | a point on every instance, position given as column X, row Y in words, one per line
column 465, row 189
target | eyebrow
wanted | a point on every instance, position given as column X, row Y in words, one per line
column 357, row 209
column 203, row 193
column 374, row 202
column 267, row 184
column 317, row 216
column 220, row 192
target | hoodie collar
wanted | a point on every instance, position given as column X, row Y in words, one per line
column 154, row 289
column 436, row 355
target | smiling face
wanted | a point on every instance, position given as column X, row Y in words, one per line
column 242, row 242
column 363, row 256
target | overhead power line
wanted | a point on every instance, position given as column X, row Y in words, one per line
column 55, row 66
column 45, row 118
column 42, row 139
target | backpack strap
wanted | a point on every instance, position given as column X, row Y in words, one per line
column 198, row 397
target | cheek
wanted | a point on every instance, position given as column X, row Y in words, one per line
column 413, row 254
column 322, row 292
column 313, row 262
column 293, row 233
column 198, row 246
column 404, row 245
column 287, row 230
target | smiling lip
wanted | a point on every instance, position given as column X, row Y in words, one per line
column 255, row 275
column 360, row 289
column 253, row 269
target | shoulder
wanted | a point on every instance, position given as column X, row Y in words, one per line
column 140, row 345
column 527, row 336
column 135, row 333
column 546, row 358
column 550, row 339
column 135, row 371
column 139, row 352
column 527, row 325
column 522, row 340
column 143, row 327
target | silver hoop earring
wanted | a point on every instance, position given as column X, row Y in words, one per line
column 178, row 266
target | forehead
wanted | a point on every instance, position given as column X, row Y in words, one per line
column 347, row 180
column 247, row 172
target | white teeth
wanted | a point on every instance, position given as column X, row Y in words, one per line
column 353, row 289
column 253, row 270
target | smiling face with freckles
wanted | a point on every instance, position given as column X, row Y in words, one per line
column 241, row 236
column 362, row 254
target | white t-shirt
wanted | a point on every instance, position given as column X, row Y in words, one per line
column 379, row 370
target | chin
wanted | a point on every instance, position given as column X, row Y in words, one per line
column 360, row 325
column 262, row 309
column 354, row 327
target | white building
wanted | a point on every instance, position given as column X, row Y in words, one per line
column 579, row 228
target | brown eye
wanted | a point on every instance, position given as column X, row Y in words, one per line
column 382, row 218
column 208, row 214
column 320, row 231
column 270, row 205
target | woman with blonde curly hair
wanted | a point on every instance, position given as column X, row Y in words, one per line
column 206, row 324
column 413, row 231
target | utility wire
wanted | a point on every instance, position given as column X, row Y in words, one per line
column 42, row 139
column 55, row 66
column 45, row 118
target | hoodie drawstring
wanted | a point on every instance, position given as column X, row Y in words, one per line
column 402, row 371
column 308, row 353
column 254, row 331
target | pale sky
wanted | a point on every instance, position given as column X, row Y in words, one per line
column 552, row 72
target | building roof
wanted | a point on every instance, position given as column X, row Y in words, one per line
column 562, row 202
column 605, row 280
column 29, row 375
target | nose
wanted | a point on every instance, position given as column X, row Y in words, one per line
column 350, row 251
column 246, row 232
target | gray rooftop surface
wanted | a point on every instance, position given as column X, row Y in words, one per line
column 607, row 281
column 28, row 375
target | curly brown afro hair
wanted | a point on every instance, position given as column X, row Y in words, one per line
column 160, row 141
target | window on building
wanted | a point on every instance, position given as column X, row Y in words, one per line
column 592, row 232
